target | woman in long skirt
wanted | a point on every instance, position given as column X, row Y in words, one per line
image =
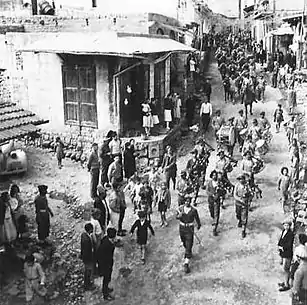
column 8, row 230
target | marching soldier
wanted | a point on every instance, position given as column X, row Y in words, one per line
column 194, row 171
column 247, row 167
column 230, row 146
column 264, row 123
column 222, row 165
column 249, row 145
column 214, row 199
column 240, row 124
column 242, row 195
column 255, row 131
column 203, row 163
column 183, row 187
column 187, row 215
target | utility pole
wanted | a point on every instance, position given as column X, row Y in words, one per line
column 240, row 10
column 301, row 44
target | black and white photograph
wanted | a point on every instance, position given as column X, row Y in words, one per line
column 153, row 152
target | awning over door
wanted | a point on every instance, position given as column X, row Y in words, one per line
column 106, row 43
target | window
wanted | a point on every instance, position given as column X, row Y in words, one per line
column 79, row 89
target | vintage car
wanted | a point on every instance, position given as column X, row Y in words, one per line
column 12, row 161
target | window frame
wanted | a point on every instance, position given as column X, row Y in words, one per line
column 90, row 71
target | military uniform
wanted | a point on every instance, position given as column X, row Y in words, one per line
column 240, row 124
column 241, row 196
column 220, row 166
column 187, row 216
column 214, row 202
column 194, row 170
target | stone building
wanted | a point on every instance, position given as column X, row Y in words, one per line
column 95, row 82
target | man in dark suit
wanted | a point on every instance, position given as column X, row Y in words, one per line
column 105, row 258
column 285, row 246
column 87, row 256
column 101, row 204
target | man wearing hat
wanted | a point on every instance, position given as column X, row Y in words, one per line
column 194, row 170
column 43, row 213
column 241, row 196
column 214, row 199
column 255, row 131
column 221, row 166
column 183, row 187
column 187, row 215
column 247, row 166
column 93, row 167
column 264, row 123
column 230, row 145
column 285, row 246
column 240, row 124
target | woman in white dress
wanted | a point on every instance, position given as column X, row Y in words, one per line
column 147, row 117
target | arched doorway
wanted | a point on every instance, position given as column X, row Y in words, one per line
column 160, row 31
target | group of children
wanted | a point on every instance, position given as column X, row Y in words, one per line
column 146, row 193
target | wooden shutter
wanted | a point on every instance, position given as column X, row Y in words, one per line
column 87, row 95
column 79, row 90
column 70, row 92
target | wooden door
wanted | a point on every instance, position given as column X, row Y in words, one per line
column 79, row 90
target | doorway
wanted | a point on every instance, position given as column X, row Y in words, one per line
column 134, row 89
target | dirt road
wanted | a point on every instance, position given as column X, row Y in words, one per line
column 225, row 269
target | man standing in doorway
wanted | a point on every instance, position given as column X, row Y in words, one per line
column 205, row 114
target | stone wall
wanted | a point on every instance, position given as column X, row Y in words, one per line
column 133, row 23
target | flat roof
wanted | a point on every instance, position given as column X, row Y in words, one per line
column 105, row 43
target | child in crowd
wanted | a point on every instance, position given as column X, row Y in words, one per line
column 284, row 186
column 142, row 225
column 146, row 194
column 59, row 151
column 136, row 193
column 128, row 189
column 278, row 117
column 163, row 199
column 154, row 178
